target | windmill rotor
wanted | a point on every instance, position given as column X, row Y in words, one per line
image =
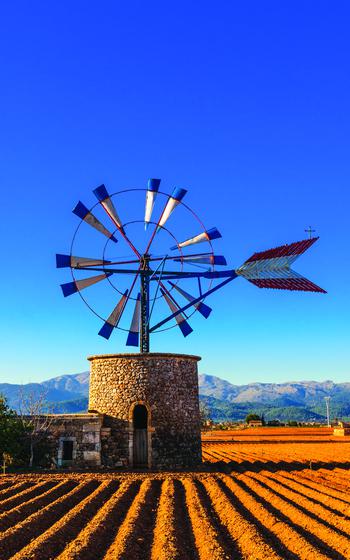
column 143, row 275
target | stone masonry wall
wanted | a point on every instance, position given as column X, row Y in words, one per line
column 84, row 430
column 167, row 384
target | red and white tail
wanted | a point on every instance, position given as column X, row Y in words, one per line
column 271, row 268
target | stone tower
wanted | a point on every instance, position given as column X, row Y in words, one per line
column 151, row 407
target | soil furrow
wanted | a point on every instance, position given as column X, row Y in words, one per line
column 26, row 495
column 17, row 514
column 273, row 528
column 218, row 456
column 206, row 536
column 334, row 478
column 183, row 526
column 208, row 456
column 228, row 544
column 134, row 537
column 166, row 541
column 15, row 489
column 6, row 484
column 50, row 543
column 319, row 486
column 326, row 541
column 15, row 538
column 332, row 521
column 338, row 475
column 94, row 540
column 329, row 503
column 248, row 543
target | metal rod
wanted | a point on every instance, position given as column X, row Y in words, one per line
column 173, row 273
column 166, row 257
column 198, row 299
column 144, row 327
column 162, row 264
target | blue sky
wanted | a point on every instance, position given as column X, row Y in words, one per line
column 246, row 105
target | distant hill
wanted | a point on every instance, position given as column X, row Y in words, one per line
column 287, row 394
column 12, row 392
column 302, row 400
column 77, row 383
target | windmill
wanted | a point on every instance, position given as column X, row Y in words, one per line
column 164, row 279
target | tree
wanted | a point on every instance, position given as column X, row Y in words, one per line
column 204, row 414
column 12, row 433
column 36, row 419
column 252, row 416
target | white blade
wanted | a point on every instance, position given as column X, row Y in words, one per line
column 173, row 201
column 151, row 195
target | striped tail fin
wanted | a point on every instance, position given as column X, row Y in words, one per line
column 272, row 268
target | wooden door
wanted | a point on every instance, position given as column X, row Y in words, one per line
column 140, row 439
column 140, row 448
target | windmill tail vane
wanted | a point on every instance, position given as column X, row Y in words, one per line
column 158, row 275
column 271, row 268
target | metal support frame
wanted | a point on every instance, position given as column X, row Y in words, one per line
column 196, row 300
column 144, row 323
column 147, row 275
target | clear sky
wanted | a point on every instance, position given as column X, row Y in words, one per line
column 245, row 104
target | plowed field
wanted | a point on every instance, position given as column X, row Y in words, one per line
column 256, row 502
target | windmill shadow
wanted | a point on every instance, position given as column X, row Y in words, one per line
column 271, row 466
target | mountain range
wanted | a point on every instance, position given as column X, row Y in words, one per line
column 301, row 401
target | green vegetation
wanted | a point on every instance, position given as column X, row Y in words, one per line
column 13, row 436
column 251, row 417
column 223, row 411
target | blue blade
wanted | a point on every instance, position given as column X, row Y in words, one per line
column 106, row 330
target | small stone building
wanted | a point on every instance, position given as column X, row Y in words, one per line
column 255, row 423
column 143, row 413
column 343, row 429
column 75, row 439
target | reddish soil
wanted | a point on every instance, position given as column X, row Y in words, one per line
column 249, row 502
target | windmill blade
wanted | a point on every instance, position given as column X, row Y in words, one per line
column 203, row 309
column 203, row 259
column 180, row 319
column 84, row 214
column 133, row 336
column 105, row 200
column 77, row 285
column 151, row 195
column 271, row 268
column 208, row 235
column 114, row 318
column 173, row 201
column 64, row 261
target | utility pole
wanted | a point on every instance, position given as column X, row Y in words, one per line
column 327, row 399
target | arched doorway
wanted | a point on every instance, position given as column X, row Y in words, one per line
column 140, row 436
